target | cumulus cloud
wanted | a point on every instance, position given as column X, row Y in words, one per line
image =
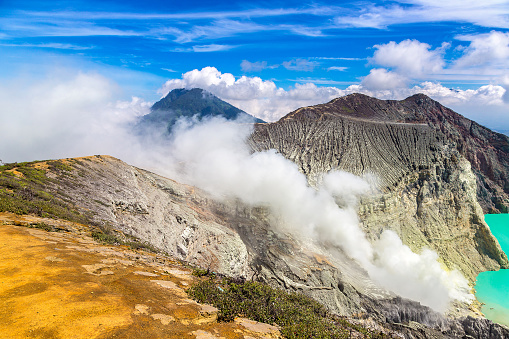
column 490, row 49
column 261, row 98
column 410, row 57
column 382, row 79
column 214, row 156
column 505, row 83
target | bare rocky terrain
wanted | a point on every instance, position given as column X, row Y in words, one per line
column 486, row 150
column 230, row 238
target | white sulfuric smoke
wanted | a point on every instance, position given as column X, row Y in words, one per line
column 214, row 156
column 75, row 116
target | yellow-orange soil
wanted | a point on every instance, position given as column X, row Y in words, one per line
column 66, row 285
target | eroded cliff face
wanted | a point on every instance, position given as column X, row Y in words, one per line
column 426, row 189
column 486, row 150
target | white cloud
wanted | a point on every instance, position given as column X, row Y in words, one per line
column 66, row 114
column 214, row 156
column 26, row 26
column 257, row 66
column 410, row 57
column 51, row 45
column 505, row 83
column 490, row 49
column 194, row 15
column 300, row 65
column 203, row 48
column 338, row 58
column 484, row 60
column 218, row 29
column 212, row 48
column 382, row 79
column 263, row 99
column 488, row 13
column 337, row 68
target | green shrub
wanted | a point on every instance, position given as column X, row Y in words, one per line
column 298, row 316
column 106, row 238
column 200, row 272
column 42, row 226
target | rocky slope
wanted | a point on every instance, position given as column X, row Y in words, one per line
column 236, row 240
column 486, row 150
column 426, row 167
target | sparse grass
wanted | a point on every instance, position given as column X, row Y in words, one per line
column 42, row 226
column 200, row 272
column 137, row 244
column 59, row 165
column 298, row 316
column 30, row 193
column 106, row 236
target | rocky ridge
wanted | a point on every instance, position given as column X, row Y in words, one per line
column 486, row 150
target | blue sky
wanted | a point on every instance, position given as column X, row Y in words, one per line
column 268, row 57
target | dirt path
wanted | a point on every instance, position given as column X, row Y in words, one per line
column 65, row 285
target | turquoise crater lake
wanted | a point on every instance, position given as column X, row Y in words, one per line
column 492, row 288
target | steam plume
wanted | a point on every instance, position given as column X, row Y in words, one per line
column 75, row 117
column 214, row 156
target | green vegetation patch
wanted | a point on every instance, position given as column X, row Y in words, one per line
column 59, row 166
column 30, row 193
column 106, row 236
column 42, row 226
column 298, row 315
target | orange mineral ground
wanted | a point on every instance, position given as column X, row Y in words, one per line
column 65, row 285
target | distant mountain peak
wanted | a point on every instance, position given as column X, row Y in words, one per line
column 188, row 103
column 175, row 95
